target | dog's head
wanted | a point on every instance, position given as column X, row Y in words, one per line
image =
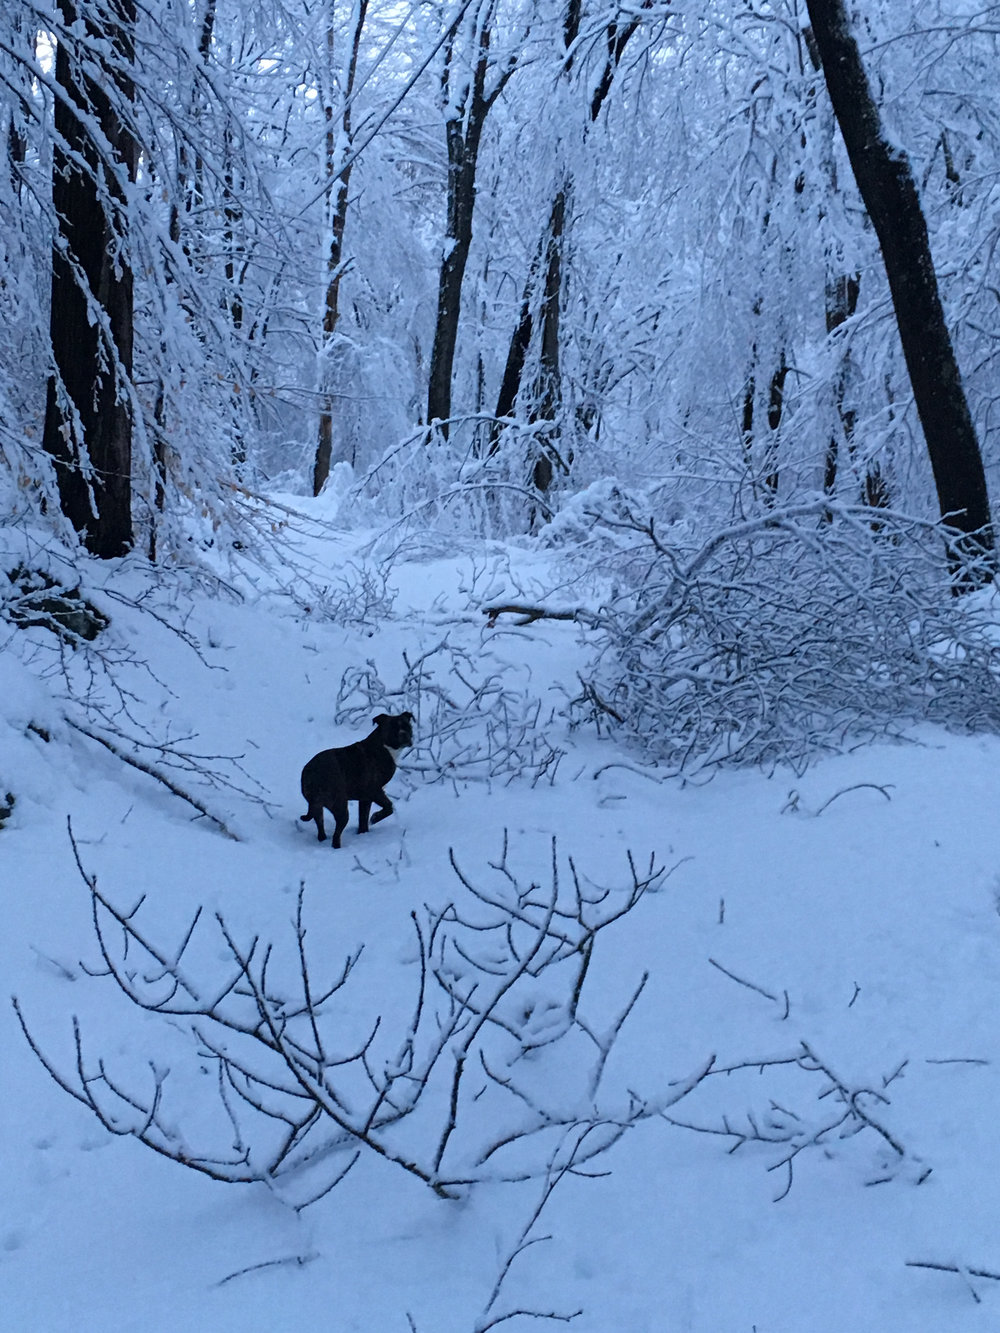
column 395, row 731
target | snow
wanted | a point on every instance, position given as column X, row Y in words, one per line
column 852, row 908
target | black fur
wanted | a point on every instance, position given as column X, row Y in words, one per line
column 355, row 772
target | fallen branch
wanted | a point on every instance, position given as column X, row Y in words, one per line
column 858, row 786
column 291, row 1261
column 960, row 1270
column 152, row 772
column 952, row 1268
column 750, row 985
column 307, row 1084
column 798, row 1132
column 529, row 614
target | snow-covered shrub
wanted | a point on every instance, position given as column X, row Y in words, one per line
column 478, row 1066
column 470, row 482
column 472, row 720
column 798, row 630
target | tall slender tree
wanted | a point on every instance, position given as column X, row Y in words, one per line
column 339, row 160
column 885, row 181
column 88, row 415
column 542, row 301
column 471, row 82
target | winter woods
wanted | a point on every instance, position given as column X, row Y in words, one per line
column 611, row 389
column 637, row 285
column 571, row 244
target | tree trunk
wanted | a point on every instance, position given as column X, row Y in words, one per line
column 88, row 420
column 548, row 389
column 548, row 392
column 770, row 461
column 190, row 185
column 339, row 176
column 468, row 108
column 887, row 188
column 517, row 353
column 22, row 40
column 842, row 303
column 463, row 153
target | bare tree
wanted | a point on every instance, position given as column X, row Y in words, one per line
column 886, row 183
column 88, row 417
column 471, row 82
column 339, row 162
column 543, row 298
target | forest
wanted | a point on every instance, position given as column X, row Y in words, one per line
column 613, row 387
column 644, row 282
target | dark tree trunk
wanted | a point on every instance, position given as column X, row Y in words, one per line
column 233, row 214
column 22, row 40
column 775, row 408
column 842, row 295
column 340, row 183
column 88, row 420
column 547, row 393
column 463, row 139
column 463, row 134
column 187, row 189
column 190, row 176
column 886, row 184
column 517, row 353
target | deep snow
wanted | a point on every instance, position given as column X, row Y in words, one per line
column 861, row 896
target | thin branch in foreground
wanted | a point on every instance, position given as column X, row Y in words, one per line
column 798, row 1133
column 857, row 786
column 529, row 1314
column 524, row 1240
column 952, row 1268
column 750, row 985
column 960, row 1270
column 292, row 1260
column 303, row 1092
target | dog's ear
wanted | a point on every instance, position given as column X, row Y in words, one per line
column 382, row 717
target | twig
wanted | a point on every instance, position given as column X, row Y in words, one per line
column 957, row 1060
column 750, row 985
column 960, row 1269
column 857, row 786
column 292, row 1260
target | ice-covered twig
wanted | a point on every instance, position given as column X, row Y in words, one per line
column 307, row 1081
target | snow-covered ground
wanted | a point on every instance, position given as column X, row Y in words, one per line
column 845, row 918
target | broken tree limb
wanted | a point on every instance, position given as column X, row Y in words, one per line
column 529, row 614
column 152, row 772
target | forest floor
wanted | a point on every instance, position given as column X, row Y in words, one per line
column 835, row 934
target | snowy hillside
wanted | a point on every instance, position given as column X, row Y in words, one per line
column 750, row 1101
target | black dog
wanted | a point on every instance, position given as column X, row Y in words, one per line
column 355, row 772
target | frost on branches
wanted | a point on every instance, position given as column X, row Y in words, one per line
column 492, row 1070
column 801, row 630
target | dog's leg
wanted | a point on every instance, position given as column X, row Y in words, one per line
column 382, row 800
column 340, row 815
column 315, row 811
